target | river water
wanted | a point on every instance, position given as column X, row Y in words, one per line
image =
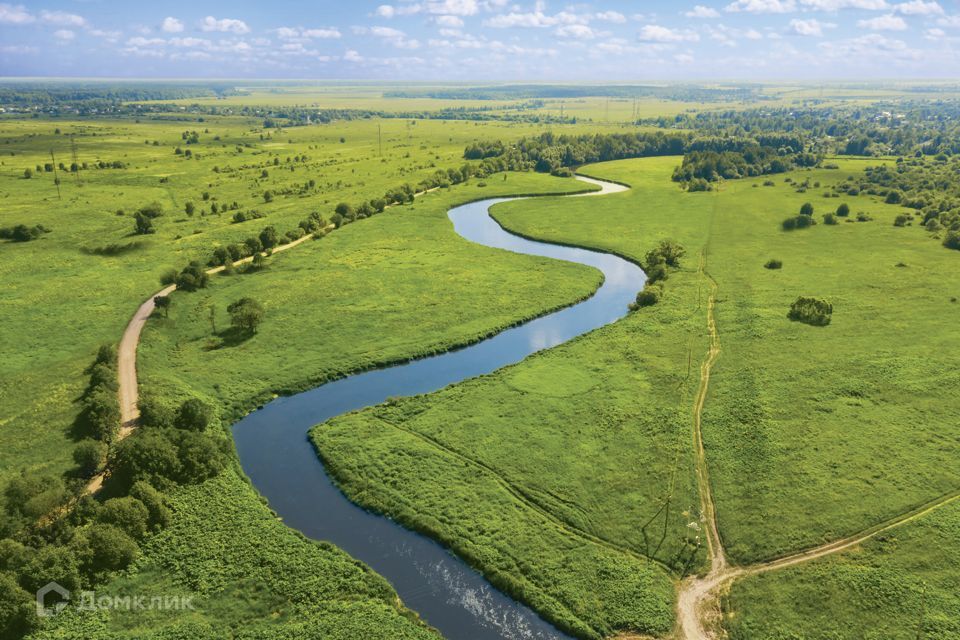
column 278, row 457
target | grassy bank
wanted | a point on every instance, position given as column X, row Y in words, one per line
column 558, row 477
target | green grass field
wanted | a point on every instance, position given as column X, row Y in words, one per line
column 63, row 301
column 568, row 479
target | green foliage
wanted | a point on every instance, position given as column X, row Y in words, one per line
column 246, row 314
column 23, row 233
column 812, row 311
column 952, row 240
column 806, row 209
column 89, row 455
column 193, row 277
column 104, row 549
column 194, row 415
column 773, row 263
column 843, row 210
column 126, row 514
column 18, row 609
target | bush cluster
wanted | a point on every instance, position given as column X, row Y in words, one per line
column 812, row 311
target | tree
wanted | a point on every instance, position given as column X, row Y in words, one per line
column 18, row 610
column 246, row 314
column 268, row 196
column 806, row 209
column 952, row 241
column 162, row 302
column 268, row 237
column 893, row 197
column 127, row 514
column 901, row 220
column 193, row 277
column 147, row 455
column 89, row 456
column 200, row 457
column 110, row 549
column 156, row 504
column 28, row 173
column 344, row 210
column 143, row 225
column 194, row 415
column 843, row 210
column 830, row 218
column 189, row 208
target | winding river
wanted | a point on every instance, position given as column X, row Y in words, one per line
column 281, row 462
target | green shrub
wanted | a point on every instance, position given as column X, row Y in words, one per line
column 952, row 241
column 194, row 415
column 806, row 209
column 812, row 311
column 651, row 295
column 843, row 210
column 127, row 514
column 89, row 456
column 773, row 264
column 830, row 218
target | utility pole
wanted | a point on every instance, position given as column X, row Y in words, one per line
column 76, row 162
column 56, row 176
column 380, row 139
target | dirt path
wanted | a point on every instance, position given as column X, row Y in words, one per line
column 698, row 600
column 127, row 351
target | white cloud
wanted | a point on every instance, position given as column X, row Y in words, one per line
column 323, row 33
column 171, row 25
column 395, row 37
column 701, row 11
column 949, row 21
column 63, row 19
column 810, row 27
column 352, row 56
column 452, row 7
column 836, row 5
column 657, row 33
column 19, row 49
column 15, row 14
column 762, row 6
column 577, row 31
column 935, row 34
column 64, row 35
column 450, row 22
column 611, row 16
column 683, row 58
column 536, row 18
column 887, row 22
column 224, row 25
column 385, row 11
column 919, row 8
column 109, row 36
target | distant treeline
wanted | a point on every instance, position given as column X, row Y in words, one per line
column 706, row 158
column 532, row 91
column 885, row 128
column 105, row 94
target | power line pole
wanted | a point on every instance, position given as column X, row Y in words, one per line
column 76, row 161
column 380, row 139
column 56, row 176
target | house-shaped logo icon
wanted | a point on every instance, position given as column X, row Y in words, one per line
column 51, row 599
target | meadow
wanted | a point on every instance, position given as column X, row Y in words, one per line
column 75, row 288
column 568, row 479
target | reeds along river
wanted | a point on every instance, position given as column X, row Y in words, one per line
column 277, row 456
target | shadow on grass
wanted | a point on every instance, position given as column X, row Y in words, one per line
column 232, row 337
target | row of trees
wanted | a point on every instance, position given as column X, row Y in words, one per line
column 657, row 265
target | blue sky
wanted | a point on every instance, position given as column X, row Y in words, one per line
column 484, row 40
